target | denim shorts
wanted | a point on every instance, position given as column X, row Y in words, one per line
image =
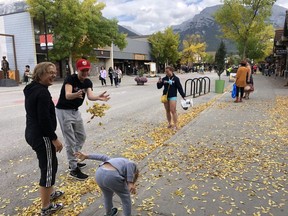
column 172, row 99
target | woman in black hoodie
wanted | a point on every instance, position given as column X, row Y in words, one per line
column 171, row 85
column 40, row 132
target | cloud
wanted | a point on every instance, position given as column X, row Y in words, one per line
column 150, row 16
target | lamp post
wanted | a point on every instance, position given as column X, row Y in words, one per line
column 45, row 33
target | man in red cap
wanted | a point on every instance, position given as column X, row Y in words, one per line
column 72, row 95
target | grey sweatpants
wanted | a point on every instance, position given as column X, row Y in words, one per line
column 73, row 132
column 111, row 182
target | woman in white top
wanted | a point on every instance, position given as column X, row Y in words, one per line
column 119, row 72
column 103, row 75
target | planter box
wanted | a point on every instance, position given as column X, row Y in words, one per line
column 219, row 86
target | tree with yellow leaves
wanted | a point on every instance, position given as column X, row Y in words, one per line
column 193, row 49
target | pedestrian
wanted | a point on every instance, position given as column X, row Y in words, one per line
column 115, row 77
column 254, row 69
column 40, row 133
column 249, row 82
column 171, row 84
column 114, row 175
column 110, row 74
column 72, row 95
column 5, row 67
column 27, row 74
column 119, row 73
column 241, row 77
column 103, row 75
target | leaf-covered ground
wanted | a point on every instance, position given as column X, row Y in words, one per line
column 230, row 160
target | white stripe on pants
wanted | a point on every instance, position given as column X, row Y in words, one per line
column 49, row 161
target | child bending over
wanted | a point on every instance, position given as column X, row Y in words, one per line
column 114, row 175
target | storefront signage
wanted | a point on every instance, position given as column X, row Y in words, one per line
column 281, row 52
column 139, row 57
column 42, row 39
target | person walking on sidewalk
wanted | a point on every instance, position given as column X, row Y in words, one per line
column 119, row 72
column 114, row 175
column 110, row 74
column 171, row 85
column 40, row 133
column 72, row 95
column 103, row 75
column 115, row 77
column 241, row 77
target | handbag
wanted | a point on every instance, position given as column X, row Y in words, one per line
column 164, row 98
column 233, row 94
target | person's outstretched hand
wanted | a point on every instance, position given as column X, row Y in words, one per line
column 104, row 97
column 80, row 156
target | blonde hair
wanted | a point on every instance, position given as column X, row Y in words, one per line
column 40, row 69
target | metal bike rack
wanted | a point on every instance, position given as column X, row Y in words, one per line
column 198, row 86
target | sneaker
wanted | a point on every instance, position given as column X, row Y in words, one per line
column 51, row 209
column 79, row 165
column 56, row 195
column 114, row 212
column 77, row 174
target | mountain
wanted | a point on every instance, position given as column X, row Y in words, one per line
column 205, row 25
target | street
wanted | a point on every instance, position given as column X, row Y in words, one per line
column 182, row 173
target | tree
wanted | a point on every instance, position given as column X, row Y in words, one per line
column 193, row 47
column 209, row 58
column 259, row 45
column 242, row 19
column 164, row 46
column 220, row 59
column 77, row 26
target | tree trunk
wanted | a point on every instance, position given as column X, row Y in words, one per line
column 244, row 50
column 71, row 65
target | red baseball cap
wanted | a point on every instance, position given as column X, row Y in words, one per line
column 83, row 64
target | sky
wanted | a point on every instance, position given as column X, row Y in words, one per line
column 149, row 16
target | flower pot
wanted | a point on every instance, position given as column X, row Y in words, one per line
column 140, row 83
column 219, row 86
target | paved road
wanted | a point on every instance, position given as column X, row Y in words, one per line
column 134, row 111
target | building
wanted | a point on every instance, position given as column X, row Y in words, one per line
column 280, row 49
column 16, row 23
column 17, row 39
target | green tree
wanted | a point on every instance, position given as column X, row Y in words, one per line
column 164, row 46
column 259, row 45
column 220, row 59
column 77, row 26
column 193, row 47
column 242, row 19
column 209, row 58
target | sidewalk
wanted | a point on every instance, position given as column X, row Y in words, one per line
column 230, row 160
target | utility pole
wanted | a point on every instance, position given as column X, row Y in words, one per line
column 45, row 33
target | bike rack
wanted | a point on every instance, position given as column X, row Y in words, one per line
column 198, row 86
